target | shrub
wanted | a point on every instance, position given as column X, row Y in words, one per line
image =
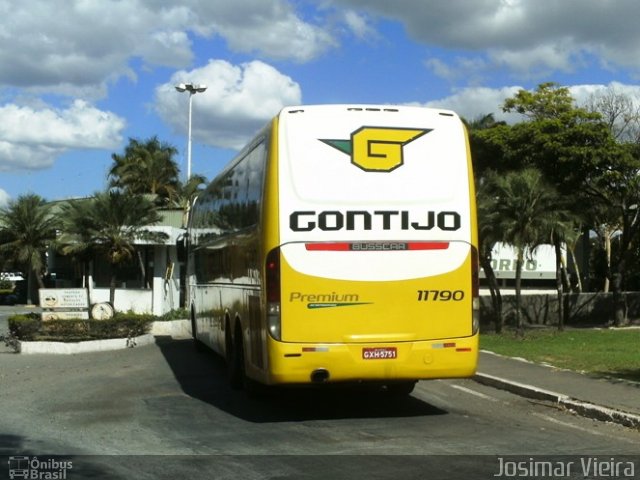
column 64, row 330
column 24, row 327
column 176, row 314
column 124, row 327
column 135, row 316
column 30, row 327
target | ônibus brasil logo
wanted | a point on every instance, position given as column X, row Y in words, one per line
column 377, row 149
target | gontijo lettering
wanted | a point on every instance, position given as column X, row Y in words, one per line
column 333, row 220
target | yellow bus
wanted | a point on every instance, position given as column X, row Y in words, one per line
column 340, row 246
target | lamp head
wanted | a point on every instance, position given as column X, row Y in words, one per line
column 190, row 87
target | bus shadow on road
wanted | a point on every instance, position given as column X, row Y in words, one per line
column 202, row 375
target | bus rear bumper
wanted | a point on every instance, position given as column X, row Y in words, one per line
column 304, row 363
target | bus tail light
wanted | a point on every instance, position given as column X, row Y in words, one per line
column 475, row 290
column 272, row 289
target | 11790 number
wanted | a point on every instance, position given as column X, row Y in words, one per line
column 440, row 295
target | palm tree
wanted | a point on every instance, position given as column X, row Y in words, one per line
column 146, row 167
column 526, row 215
column 488, row 236
column 110, row 223
column 562, row 225
column 186, row 194
column 75, row 238
column 27, row 229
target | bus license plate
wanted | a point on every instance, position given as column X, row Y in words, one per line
column 379, row 353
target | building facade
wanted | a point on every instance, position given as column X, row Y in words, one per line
column 152, row 282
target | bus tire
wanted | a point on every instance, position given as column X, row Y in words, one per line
column 235, row 358
column 401, row 389
column 200, row 347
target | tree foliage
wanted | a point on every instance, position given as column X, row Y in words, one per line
column 619, row 111
column 525, row 212
column 488, row 236
column 146, row 167
column 27, row 228
column 110, row 223
column 578, row 152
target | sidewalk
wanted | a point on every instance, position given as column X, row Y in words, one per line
column 602, row 399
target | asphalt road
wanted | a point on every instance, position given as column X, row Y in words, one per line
column 166, row 409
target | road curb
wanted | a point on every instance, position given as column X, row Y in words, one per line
column 580, row 407
column 178, row 329
column 70, row 348
column 172, row 328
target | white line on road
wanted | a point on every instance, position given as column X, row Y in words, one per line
column 565, row 424
column 473, row 392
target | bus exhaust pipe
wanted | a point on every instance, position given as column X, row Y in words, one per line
column 319, row 376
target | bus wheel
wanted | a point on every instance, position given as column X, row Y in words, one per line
column 400, row 389
column 194, row 333
column 235, row 359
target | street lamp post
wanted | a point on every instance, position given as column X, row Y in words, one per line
column 192, row 89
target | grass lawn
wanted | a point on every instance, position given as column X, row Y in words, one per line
column 613, row 353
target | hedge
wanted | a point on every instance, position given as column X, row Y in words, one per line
column 24, row 327
column 31, row 328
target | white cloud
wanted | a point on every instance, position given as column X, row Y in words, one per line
column 33, row 137
column 4, row 198
column 531, row 37
column 471, row 69
column 475, row 102
column 583, row 93
column 238, row 101
column 75, row 47
column 540, row 60
column 93, row 43
column 15, row 157
column 442, row 69
column 271, row 28
column 358, row 25
column 87, row 44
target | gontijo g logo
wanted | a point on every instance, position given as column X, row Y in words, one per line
column 377, row 149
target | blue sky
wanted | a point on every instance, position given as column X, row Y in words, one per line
column 81, row 77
